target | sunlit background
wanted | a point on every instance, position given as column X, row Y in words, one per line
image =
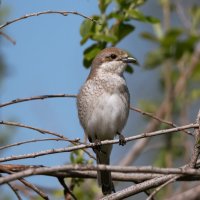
column 47, row 59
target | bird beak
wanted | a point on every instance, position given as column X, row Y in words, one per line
column 129, row 60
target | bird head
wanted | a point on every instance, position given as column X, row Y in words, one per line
column 112, row 60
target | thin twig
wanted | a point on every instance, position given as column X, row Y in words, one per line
column 80, row 168
column 8, row 37
column 161, row 187
column 34, row 188
column 74, row 142
column 64, row 13
column 182, row 15
column 66, row 189
column 190, row 194
column 196, row 149
column 43, row 131
column 134, row 189
column 158, row 119
column 41, row 97
column 31, row 186
column 30, row 141
column 90, row 145
column 15, row 190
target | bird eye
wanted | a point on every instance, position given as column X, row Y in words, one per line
column 113, row 56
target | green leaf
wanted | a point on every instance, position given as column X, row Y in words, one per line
column 196, row 73
column 152, row 20
column 149, row 36
column 91, row 52
column 104, row 38
column 121, row 30
column 86, row 27
column 154, row 58
column 117, row 15
column 137, row 15
column 195, row 94
column 170, row 37
column 195, row 12
column 148, row 106
column 160, row 159
column 185, row 46
column 85, row 30
column 129, row 69
column 103, row 4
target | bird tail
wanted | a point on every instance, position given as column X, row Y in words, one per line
column 104, row 177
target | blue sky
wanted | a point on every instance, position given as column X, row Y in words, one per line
column 47, row 59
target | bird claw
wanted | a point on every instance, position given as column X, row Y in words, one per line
column 97, row 145
column 122, row 140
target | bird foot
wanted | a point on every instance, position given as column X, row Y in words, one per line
column 97, row 145
column 122, row 140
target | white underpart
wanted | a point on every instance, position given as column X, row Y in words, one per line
column 117, row 67
column 107, row 118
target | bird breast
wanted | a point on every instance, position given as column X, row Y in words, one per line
column 108, row 116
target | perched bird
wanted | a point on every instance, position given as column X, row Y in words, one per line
column 103, row 106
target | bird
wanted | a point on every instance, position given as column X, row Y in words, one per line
column 103, row 106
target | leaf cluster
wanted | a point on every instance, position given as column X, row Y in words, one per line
column 112, row 26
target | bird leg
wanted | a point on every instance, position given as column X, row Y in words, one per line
column 97, row 145
column 122, row 140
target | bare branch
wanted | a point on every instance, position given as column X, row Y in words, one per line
column 134, row 189
column 141, row 144
column 15, row 190
column 75, row 141
column 64, row 13
column 26, row 183
column 80, row 168
column 182, row 16
column 41, row 97
column 38, row 129
column 30, row 141
column 191, row 194
column 161, row 187
column 196, row 149
column 8, row 37
column 157, row 118
column 66, row 189
column 90, row 145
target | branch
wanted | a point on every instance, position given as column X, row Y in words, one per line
column 90, row 145
column 71, row 169
column 43, row 131
column 135, row 189
column 114, row 168
column 157, row 118
column 141, row 144
column 8, row 37
column 161, row 187
column 41, row 97
column 27, row 184
column 64, row 13
column 75, row 141
column 30, row 141
column 196, row 149
column 191, row 194
column 15, row 190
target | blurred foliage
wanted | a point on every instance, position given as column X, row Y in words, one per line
column 112, row 26
column 176, row 39
column 82, row 191
column 3, row 13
